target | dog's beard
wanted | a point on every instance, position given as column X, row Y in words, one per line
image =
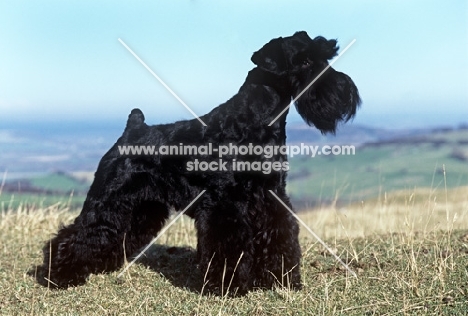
column 332, row 99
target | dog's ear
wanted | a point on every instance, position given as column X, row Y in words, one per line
column 300, row 45
column 327, row 48
column 271, row 57
column 281, row 55
column 302, row 36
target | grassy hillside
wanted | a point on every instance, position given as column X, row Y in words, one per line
column 60, row 182
column 43, row 191
column 432, row 161
column 409, row 250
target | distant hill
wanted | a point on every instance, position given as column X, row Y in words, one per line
column 48, row 163
column 48, row 184
column 74, row 148
column 356, row 134
column 434, row 159
column 44, row 149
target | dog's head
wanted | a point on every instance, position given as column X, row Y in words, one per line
column 332, row 98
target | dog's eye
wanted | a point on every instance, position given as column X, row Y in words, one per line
column 306, row 63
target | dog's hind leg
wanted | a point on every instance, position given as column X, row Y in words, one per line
column 110, row 227
column 99, row 242
column 92, row 244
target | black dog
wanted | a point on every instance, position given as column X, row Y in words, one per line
column 246, row 238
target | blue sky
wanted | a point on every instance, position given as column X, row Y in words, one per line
column 61, row 60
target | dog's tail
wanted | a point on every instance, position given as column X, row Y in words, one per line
column 136, row 119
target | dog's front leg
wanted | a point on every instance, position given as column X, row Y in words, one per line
column 225, row 249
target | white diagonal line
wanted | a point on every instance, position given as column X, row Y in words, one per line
column 160, row 234
column 315, row 235
column 313, row 81
column 162, row 82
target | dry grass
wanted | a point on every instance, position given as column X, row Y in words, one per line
column 408, row 249
column 404, row 212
